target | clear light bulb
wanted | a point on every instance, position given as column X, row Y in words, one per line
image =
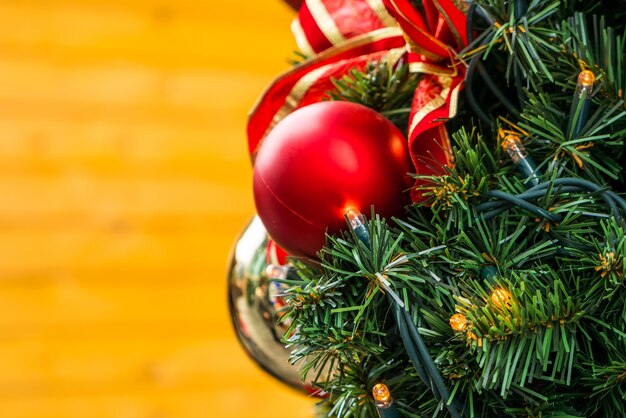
column 357, row 223
column 524, row 163
column 579, row 112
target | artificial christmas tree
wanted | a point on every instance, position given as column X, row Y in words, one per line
column 500, row 290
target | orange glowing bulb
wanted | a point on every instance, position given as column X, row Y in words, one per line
column 501, row 297
column 513, row 146
column 381, row 394
column 458, row 322
column 586, row 78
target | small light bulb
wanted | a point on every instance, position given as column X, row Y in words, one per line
column 524, row 163
column 586, row 79
column 513, row 146
column 458, row 322
column 355, row 217
column 384, row 401
column 381, row 394
column 579, row 111
column 357, row 223
column 501, row 297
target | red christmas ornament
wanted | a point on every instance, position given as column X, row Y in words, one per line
column 322, row 160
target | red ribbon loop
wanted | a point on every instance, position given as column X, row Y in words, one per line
column 434, row 34
column 322, row 24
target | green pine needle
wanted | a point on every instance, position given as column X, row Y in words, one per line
column 382, row 87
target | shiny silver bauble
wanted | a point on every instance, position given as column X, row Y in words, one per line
column 253, row 305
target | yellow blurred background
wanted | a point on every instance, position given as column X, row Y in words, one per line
column 124, row 180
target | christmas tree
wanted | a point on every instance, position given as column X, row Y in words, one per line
column 497, row 289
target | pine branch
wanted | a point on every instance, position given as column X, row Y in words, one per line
column 593, row 154
column 527, row 40
column 384, row 88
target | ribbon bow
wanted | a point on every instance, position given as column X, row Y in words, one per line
column 434, row 34
column 342, row 35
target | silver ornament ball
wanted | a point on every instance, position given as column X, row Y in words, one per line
column 254, row 305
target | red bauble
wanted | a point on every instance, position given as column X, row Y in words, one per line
column 322, row 160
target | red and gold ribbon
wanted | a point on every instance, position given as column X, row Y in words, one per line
column 434, row 35
column 322, row 24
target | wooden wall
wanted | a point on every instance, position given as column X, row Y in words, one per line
column 123, row 181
